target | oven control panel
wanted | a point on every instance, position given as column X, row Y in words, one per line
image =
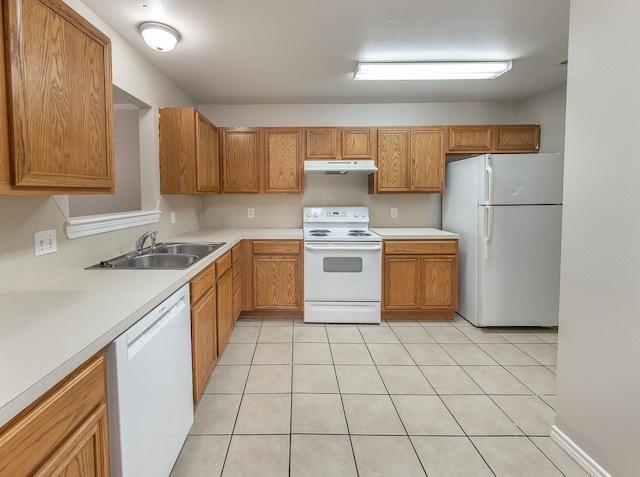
column 335, row 214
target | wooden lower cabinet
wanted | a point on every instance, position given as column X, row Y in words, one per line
column 64, row 433
column 225, row 300
column 277, row 275
column 420, row 278
column 236, row 272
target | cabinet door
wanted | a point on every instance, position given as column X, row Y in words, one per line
column 283, row 160
column 323, row 143
column 469, row 139
column 427, row 159
column 517, row 138
column 207, row 159
column 240, row 159
column 277, row 282
column 225, row 310
column 178, row 130
column 60, row 89
column 204, row 346
column 393, row 160
column 439, row 282
column 401, row 283
column 357, row 143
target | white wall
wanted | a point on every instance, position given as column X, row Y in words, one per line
column 598, row 396
column 20, row 217
column 547, row 109
column 414, row 210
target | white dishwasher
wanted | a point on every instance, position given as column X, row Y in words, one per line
column 150, row 392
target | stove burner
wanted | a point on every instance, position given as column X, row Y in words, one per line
column 319, row 231
column 359, row 233
column 319, row 234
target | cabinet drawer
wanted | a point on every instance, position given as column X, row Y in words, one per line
column 223, row 264
column 202, row 282
column 421, row 247
column 236, row 252
column 31, row 438
column 276, row 247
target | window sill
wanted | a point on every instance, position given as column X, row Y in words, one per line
column 76, row 227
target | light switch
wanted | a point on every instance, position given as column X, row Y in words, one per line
column 45, row 242
column 394, row 212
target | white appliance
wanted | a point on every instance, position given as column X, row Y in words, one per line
column 150, row 393
column 342, row 266
column 340, row 167
column 507, row 209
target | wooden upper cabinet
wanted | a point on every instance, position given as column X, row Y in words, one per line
column 57, row 116
column 189, row 153
column 283, row 160
column 240, row 160
column 339, row 143
column 497, row 138
column 410, row 160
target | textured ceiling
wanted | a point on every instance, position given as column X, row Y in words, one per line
column 304, row 51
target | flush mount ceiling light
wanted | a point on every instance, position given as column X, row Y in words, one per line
column 159, row 36
column 431, row 70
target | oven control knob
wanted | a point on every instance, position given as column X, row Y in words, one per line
column 356, row 214
column 308, row 213
column 363, row 213
column 315, row 213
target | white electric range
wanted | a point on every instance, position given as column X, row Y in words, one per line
column 342, row 266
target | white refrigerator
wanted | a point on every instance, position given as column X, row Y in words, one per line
column 507, row 209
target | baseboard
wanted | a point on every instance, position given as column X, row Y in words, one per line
column 589, row 465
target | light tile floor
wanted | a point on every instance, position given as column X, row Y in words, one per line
column 399, row 399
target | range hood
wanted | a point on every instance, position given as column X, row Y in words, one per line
column 340, row 167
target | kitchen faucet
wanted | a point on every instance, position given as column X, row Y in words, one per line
column 140, row 242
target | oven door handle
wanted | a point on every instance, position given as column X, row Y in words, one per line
column 343, row 246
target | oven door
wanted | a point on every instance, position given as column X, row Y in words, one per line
column 342, row 271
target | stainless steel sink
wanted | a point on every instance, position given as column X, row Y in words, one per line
column 165, row 256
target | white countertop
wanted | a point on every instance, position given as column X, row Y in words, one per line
column 49, row 329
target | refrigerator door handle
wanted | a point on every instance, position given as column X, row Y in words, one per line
column 488, row 231
column 489, row 173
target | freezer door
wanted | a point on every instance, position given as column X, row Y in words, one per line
column 506, row 179
column 519, row 265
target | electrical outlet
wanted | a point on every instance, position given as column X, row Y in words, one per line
column 173, row 217
column 394, row 212
column 45, row 242
column 250, row 213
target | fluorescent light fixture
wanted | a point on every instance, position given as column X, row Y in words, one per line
column 434, row 70
column 159, row 36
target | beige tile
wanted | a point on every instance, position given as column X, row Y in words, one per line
column 391, row 456
column 344, row 334
column 482, row 335
column 227, row 379
column 496, row 380
column 510, row 456
column 236, row 354
column 558, row 457
column 390, row 355
column 530, row 413
column 518, row 335
column 403, row 323
column 371, row 414
column 542, row 352
column 300, row 322
column 269, row 378
column 412, row 334
column 468, row 353
column 318, row 414
column 426, row 416
column 480, row 416
column 450, row 380
column 277, row 322
column 428, row 324
column 508, row 354
column 429, row 354
column 201, row 455
column 317, row 378
column 378, row 334
column 360, row 380
column 548, row 335
column 266, row 456
column 249, row 322
column 216, row 414
column 350, row 353
column 449, row 334
column 273, row 353
column 244, row 334
column 553, row 369
column 460, row 321
column 450, row 457
column 312, row 353
column 405, row 380
column 264, row 414
column 550, row 400
column 321, row 456
column 309, row 334
column 537, row 378
column 276, row 334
